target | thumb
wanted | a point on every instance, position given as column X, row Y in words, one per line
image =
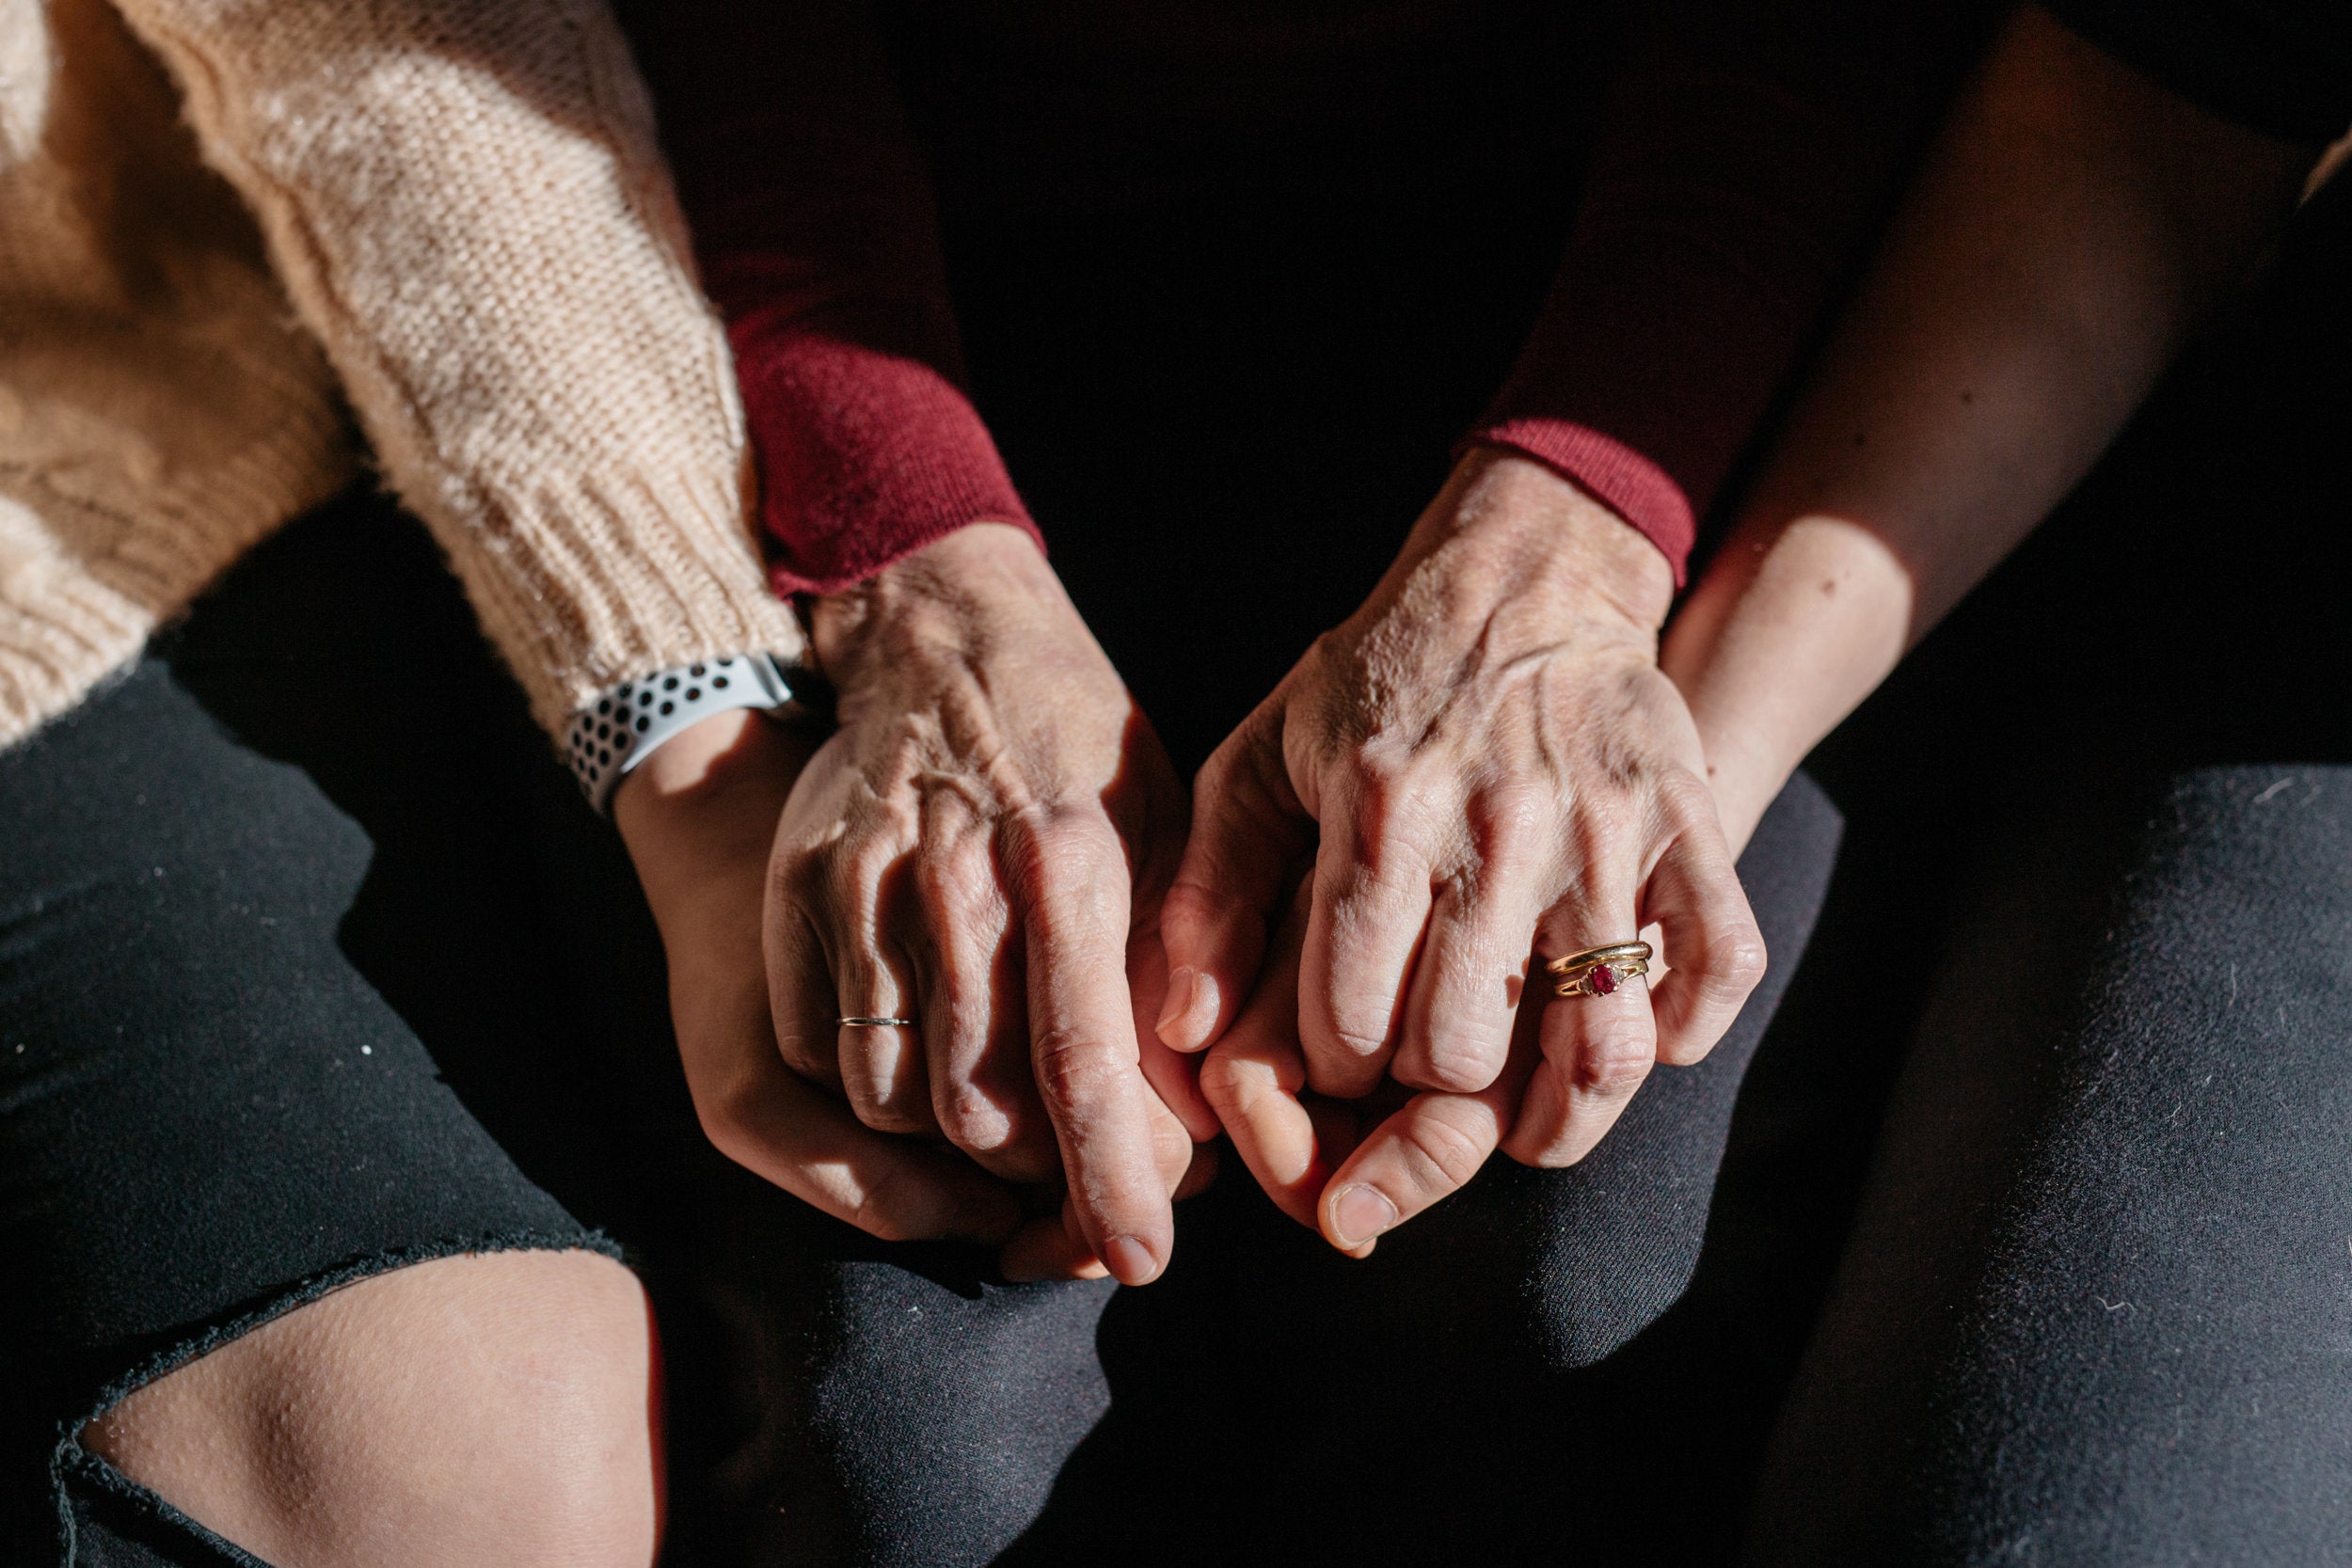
column 1248, row 830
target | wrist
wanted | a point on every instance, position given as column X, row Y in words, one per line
column 1513, row 527
column 1794, row 625
column 698, row 759
column 1745, row 774
column 946, row 593
column 619, row 730
column 715, row 786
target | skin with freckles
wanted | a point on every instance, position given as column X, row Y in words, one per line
column 1483, row 768
column 495, row 1408
column 1485, row 764
column 980, row 847
column 2073, row 225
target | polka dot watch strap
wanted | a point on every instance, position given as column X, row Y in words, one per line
column 620, row 729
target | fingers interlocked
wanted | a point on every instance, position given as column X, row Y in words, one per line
column 1568, row 1065
column 1455, row 799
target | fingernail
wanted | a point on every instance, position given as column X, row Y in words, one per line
column 1183, row 990
column 1130, row 1262
column 1359, row 1213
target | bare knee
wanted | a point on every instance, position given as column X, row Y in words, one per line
column 492, row 1408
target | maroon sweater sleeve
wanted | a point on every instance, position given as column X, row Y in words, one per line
column 1749, row 150
column 812, row 226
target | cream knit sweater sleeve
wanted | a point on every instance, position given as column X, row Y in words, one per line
column 465, row 201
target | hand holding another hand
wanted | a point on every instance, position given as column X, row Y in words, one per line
column 699, row 818
column 980, row 848
column 1484, row 764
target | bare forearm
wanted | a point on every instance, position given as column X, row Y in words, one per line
column 2070, row 230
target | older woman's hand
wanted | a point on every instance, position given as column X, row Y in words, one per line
column 978, row 847
column 1484, row 764
column 699, row 818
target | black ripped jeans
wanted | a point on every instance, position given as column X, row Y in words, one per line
column 288, row 998
column 312, row 963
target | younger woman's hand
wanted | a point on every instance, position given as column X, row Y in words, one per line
column 1483, row 768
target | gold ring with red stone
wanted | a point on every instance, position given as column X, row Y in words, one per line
column 1598, row 971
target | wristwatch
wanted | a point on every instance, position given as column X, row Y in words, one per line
column 621, row 728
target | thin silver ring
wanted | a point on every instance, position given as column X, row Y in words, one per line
column 875, row 1023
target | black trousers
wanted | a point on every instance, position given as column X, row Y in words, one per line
column 311, row 964
column 315, row 966
column 289, row 999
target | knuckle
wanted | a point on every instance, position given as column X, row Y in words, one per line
column 1236, row 1082
column 1222, row 1084
column 883, row 1209
column 1245, row 777
column 1029, row 867
column 957, row 1025
column 1509, row 819
column 1444, row 1153
column 888, row 1116
column 1073, row 1068
column 723, row 1130
column 953, row 884
column 724, row 1113
column 1394, row 803
column 1456, row 1065
column 1380, row 769
column 959, row 999
column 1740, row 960
column 798, row 876
column 811, row 1056
column 854, row 873
column 1684, row 798
column 1557, row 1152
column 1355, row 1041
column 1214, row 783
column 1190, row 910
column 1727, row 962
column 1048, row 850
column 1615, row 1061
column 973, row 1121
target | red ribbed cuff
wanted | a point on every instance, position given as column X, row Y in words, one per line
column 863, row 456
column 1631, row 484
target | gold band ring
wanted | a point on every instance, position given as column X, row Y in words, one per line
column 1600, row 970
column 1607, row 953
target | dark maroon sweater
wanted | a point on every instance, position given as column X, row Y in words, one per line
column 1746, row 152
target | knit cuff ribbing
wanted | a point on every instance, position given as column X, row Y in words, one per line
column 1637, row 489
column 865, row 456
column 631, row 576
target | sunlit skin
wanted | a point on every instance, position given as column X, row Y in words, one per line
column 498, row 1408
column 992, row 806
column 2072, row 227
column 1483, row 765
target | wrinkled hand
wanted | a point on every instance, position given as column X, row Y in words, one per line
column 980, row 848
column 1483, row 766
column 699, row 818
